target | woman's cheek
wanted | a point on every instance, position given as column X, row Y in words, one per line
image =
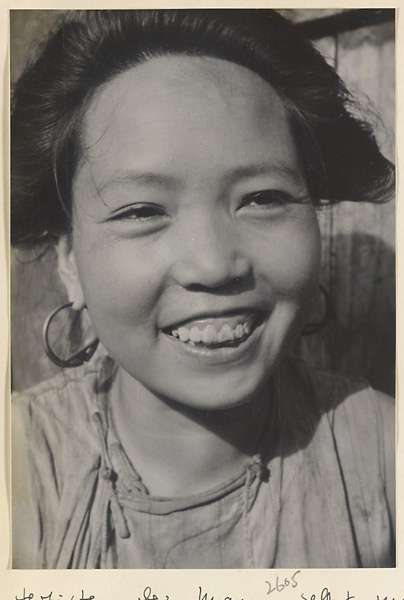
column 291, row 256
column 120, row 284
column 305, row 263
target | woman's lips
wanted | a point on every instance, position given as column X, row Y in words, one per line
column 216, row 331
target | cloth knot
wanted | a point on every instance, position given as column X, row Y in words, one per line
column 259, row 469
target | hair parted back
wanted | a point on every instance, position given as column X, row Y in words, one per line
column 340, row 156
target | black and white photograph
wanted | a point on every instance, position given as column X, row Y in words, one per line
column 203, row 315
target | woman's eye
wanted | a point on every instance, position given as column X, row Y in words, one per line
column 265, row 199
column 141, row 213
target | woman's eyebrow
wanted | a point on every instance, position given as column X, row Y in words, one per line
column 140, row 178
column 230, row 177
column 254, row 169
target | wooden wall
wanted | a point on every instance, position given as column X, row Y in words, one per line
column 358, row 240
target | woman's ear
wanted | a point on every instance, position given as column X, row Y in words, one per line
column 68, row 273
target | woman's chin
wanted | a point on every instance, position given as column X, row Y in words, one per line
column 219, row 392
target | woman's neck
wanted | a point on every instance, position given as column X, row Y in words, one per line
column 177, row 450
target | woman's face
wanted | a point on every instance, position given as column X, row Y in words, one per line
column 194, row 237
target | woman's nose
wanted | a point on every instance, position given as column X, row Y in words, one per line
column 210, row 254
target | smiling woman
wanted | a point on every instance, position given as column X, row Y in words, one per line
column 176, row 160
column 208, row 231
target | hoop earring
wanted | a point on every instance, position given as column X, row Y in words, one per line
column 311, row 328
column 77, row 359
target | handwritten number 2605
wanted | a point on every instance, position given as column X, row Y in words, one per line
column 280, row 584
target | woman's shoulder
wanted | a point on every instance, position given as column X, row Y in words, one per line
column 355, row 401
column 65, row 397
column 350, row 406
column 54, row 449
column 359, row 420
column 336, row 467
column 54, row 415
column 54, row 387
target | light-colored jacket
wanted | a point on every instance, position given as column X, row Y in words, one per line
column 317, row 498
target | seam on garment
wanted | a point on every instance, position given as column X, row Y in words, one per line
column 359, row 460
column 136, row 504
column 246, row 518
column 209, row 528
column 347, row 503
column 190, row 537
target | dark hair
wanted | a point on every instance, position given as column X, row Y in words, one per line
column 340, row 155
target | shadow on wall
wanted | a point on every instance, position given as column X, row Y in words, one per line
column 359, row 340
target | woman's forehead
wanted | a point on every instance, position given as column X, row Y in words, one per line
column 183, row 86
column 186, row 111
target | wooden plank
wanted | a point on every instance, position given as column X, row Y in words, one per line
column 358, row 240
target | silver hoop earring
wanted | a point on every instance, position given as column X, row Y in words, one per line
column 78, row 358
column 311, row 328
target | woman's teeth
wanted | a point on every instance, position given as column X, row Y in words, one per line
column 210, row 335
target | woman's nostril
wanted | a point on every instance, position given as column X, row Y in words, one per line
column 221, row 270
